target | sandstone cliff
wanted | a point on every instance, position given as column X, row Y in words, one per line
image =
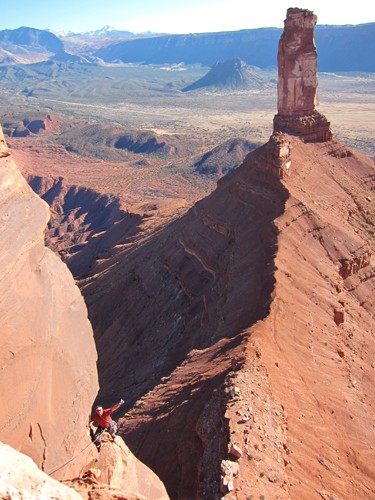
column 48, row 373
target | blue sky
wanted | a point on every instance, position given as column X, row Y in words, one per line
column 174, row 16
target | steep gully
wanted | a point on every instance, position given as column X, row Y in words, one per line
column 174, row 308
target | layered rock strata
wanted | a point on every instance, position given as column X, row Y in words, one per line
column 47, row 353
column 301, row 409
column 298, row 80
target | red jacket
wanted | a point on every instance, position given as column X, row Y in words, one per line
column 104, row 420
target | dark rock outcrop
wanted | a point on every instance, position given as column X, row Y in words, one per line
column 298, row 80
column 233, row 75
column 224, row 157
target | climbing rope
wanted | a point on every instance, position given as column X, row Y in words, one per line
column 55, row 469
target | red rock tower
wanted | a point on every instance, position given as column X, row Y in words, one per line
column 298, row 80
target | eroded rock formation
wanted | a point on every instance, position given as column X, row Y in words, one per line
column 47, row 352
column 85, row 225
column 302, row 410
column 20, row 478
column 298, row 80
column 243, row 332
column 118, row 474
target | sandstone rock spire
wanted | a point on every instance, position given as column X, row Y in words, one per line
column 298, row 80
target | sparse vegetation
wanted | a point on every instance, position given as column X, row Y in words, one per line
column 150, row 98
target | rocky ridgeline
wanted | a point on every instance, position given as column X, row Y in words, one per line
column 207, row 274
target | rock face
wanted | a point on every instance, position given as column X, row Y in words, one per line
column 47, row 353
column 115, row 474
column 118, row 474
column 169, row 316
column 298, row 80
column 20, row 478
column 183, row 318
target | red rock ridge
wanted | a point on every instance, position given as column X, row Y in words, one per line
column 303, row 412
column 300, row 364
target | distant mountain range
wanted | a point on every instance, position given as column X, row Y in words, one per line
column 38, row 40
column 105, row 31
column 340, row 48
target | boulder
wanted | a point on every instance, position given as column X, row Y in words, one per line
column 20, row 478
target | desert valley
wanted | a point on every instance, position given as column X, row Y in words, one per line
column 195, row 236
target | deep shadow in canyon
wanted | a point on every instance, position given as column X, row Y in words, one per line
column 174, row 305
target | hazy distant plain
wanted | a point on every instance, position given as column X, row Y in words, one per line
column 150, row 97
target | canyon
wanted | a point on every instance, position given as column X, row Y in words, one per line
column 237, row 325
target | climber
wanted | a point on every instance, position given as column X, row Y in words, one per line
column 102, row 418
